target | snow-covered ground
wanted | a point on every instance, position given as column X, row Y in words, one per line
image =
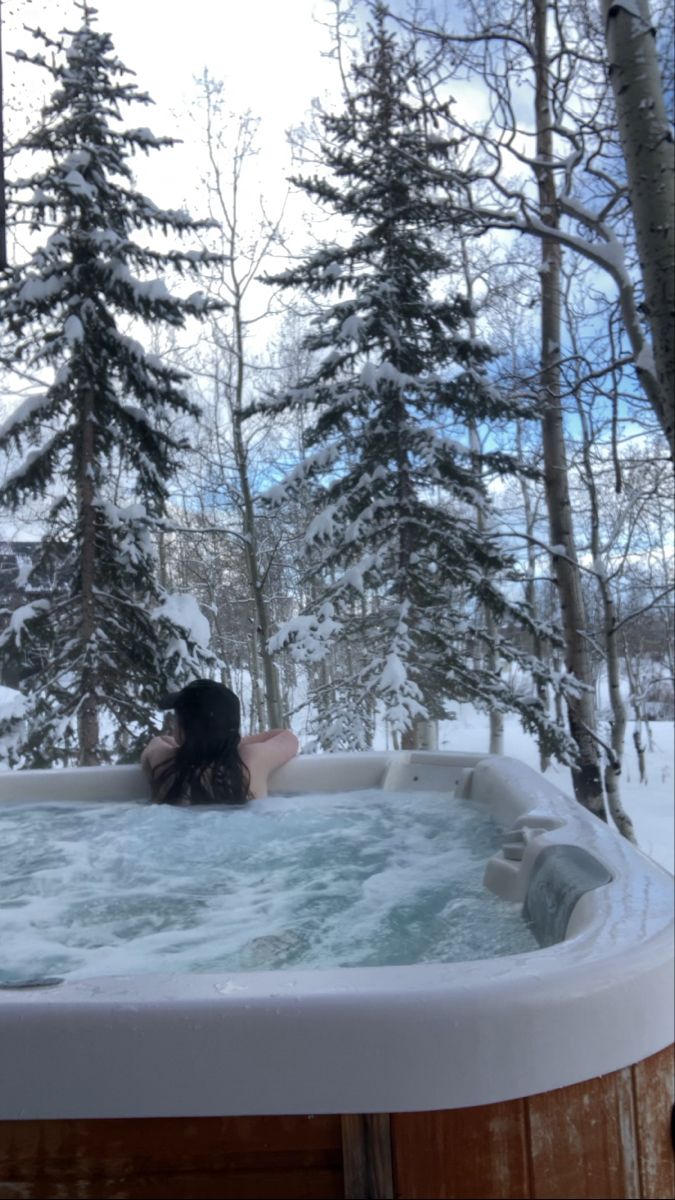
column 650, row 804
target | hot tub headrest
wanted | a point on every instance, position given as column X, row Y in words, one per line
column 560, row 875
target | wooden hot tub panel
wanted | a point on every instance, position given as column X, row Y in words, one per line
column 606, row 1138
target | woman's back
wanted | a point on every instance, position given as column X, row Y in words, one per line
column 207, row 761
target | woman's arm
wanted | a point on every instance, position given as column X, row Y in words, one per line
column 252, row 738
column 264, row 753
column 158, row 751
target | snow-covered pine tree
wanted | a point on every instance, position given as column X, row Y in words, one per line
column 402, row 571
column 94, row 441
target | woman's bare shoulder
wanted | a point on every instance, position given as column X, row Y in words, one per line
column 271, row 752
column 158, row 750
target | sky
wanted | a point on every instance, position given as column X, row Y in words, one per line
column 269, row 54
column 272, row 56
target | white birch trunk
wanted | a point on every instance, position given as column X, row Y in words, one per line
column 496, row 717
column 539, row 649
column 581, row 711
column 615, row 751
column 634, row 683
column 422, row 736
column 261, row 634
column 647, row 145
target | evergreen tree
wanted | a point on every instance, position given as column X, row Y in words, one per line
column 403, row 571
column 95, row 440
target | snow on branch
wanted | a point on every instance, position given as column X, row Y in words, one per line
column 21, row 616
column 311, row 465
column 307, row 637
column 22, row 415
column 181, row 609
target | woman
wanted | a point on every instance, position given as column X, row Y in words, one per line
column 207, row 761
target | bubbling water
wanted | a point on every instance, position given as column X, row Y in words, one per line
column 356, row 879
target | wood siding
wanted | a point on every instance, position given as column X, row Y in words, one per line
column 366, row 1156
column 229, row 1158
column 605, row 1138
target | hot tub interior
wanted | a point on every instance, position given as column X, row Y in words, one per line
column 390, row 871
column 360, row 878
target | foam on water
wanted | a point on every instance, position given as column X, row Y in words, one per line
column 357, row 879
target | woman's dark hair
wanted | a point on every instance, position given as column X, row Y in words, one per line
column 206, row 767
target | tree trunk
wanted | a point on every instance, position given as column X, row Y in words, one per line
column 581, row 711
column 422, row 736
column 613, row 769
column 262, row 631
column 636, row 701
column 496, row 732
column 87, row 716
column 496, row 718
column 618, row 722
column 647, row 146
column 240, row 274
column 558, row 700
column 640, row 751
column 257, row 703
column 539, row 648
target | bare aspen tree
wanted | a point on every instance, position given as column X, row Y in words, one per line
column 257, row 573
column 513, row 330
column 648, row 150
column 581, row 710
column 509, row 48
column 245, row 256
column 618, row 503
column 530, row 517
column 495, row 47
column 496, row 716
column 610, row 625
column 636, row 702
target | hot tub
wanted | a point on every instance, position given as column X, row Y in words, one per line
column 539, row 1074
